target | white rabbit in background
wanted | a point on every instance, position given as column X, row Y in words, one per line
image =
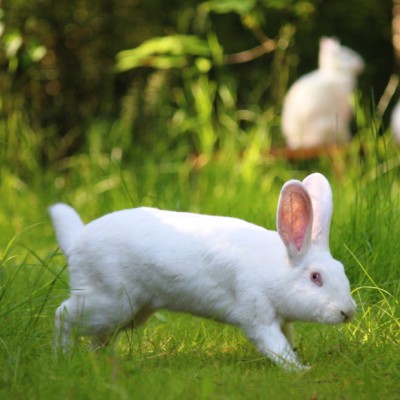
column 127, row 264
column 317, row 108
column 395, row 122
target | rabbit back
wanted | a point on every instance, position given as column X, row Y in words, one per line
column 317, row 111
column 164, row 259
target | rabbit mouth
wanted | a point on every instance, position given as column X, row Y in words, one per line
column 337, row 316
column 349, row 313
column 347, row 317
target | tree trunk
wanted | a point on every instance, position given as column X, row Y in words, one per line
column 396, row 31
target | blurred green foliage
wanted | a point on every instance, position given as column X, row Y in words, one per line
column 182, row 73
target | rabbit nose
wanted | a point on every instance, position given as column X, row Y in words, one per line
column 348, row 315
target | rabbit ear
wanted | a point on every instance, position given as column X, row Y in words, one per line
column 294, row 219
column 320, row 192
column 328, row 46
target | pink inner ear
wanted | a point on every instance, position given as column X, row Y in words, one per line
column 295, row 217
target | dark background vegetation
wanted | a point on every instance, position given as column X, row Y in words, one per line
column 58, row 60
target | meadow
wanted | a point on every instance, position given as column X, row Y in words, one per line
column 177, row 356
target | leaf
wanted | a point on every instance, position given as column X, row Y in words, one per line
column 163, row 52
column 226, row 6
column 13, row 43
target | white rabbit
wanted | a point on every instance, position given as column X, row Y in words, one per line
column 395, row 122
column 127, row 264
column 317, row 108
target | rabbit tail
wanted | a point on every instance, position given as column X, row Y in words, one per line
column 67, row 225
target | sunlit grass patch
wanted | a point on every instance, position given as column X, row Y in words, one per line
column 379, row 317
column 379, row 322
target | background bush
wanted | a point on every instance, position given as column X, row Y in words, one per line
column 58, row 66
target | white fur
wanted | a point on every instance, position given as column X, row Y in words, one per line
column 68, row 223
column 127, row 264
column 395, row 122
column 317, row 108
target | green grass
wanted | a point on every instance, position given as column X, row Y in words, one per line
column 177, row 356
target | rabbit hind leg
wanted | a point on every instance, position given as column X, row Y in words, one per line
column 65, row 322
column 81, row 316
column 109, row 338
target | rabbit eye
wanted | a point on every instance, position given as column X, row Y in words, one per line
column 316, row 278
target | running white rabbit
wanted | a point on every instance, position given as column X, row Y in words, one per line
column 127, row 264
column 317, row 108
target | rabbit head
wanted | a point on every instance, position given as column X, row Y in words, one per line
column 316, row 288
column 338, row 59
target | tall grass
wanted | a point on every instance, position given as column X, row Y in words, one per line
column 225, row 168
